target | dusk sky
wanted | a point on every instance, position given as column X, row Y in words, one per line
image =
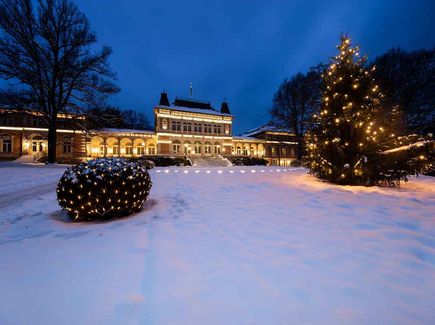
column 241, row 50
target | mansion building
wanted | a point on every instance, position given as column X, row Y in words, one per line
column 189, row 128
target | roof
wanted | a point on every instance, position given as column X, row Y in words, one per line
column 245, row 138
column 266, row 128
column 192, row 103
column 195, row 110
column 115, row 130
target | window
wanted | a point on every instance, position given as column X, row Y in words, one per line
column 209, row 128
column 195, row 127
column 205, row 128
column 102, row 150
column 273, row 151
column 151, row 149
column 184, row 127
column 217, row 148
column 187, row 148
column 219, row 129
column 284, row 151
column 128, row 150
column 174, row 126
column 245, row 151
column 7, row 145
column 215, row 128
column 200, row 128
column 178, row 126
column 239, row 150
column 176, row 147
column 189, row 127
column 116, row 149
column 140, row 150
column 292, row 152
column 67, row 146
column 207, row 148
column 198, row 148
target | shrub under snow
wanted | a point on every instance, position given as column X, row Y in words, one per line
column 103, row 188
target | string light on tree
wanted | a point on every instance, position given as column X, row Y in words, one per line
column 352, row 125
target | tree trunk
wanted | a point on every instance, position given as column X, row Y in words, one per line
column 300, row 147
column 52, row 142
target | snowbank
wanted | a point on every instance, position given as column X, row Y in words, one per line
column 218, row 246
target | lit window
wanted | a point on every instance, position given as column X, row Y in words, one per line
column 7, row 145
column 67, row 146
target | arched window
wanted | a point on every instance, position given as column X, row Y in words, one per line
column 253, row 150
column 245, row 150
column 139, row 147
column 238, row 150
column 187, row 147
column 217, row 148
column 126, row 147
column 198, row 148
column 207, row 148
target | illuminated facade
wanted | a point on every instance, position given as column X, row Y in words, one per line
column 187, row 127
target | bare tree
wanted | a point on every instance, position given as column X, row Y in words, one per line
column 46, row 51
column 295, row 102
column 408, row 81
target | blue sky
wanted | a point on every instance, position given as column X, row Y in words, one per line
column 241, row 50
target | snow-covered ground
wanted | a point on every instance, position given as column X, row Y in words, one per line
column 234, row 245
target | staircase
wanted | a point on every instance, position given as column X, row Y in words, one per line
column 214, row 161
column 25, row 159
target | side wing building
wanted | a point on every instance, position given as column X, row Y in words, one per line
column 187, row 127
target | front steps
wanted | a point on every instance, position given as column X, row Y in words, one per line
column 212, row 161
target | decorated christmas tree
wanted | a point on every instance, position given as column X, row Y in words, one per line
column 355, row 139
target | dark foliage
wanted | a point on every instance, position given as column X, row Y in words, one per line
column 46, row 49
column 162, row 161
column 144, row 162
column 296, row 163
column 408, row 81
column 103, row 188
column 248, row 161
column 356, row 140
column 294, row 104
column 115, row 117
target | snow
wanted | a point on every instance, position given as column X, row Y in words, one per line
column 265, row 128
column 220, row 245
column 407, row 147
column 195, row 110
column 129, row 131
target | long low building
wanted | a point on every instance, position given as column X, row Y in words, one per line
column 187, row 127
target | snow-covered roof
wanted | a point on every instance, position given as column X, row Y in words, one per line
column 265, row 128
column 211, row 111
column 115, row 130
column 246, row 138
